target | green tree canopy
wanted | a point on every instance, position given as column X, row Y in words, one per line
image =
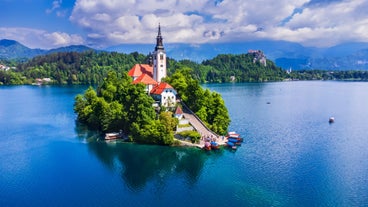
column 119, row 104
column 209, row 106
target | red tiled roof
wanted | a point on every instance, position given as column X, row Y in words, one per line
column 178, row 110
column 146, row 79
column 160, row 88
column 139, row 69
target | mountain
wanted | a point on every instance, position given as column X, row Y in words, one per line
column 11, row 49
column 287, row 55
column 348, row 56
column 71, row 48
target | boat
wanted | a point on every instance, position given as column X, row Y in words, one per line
column 114, row 135
column 207, row 146
column 235, row 141
column 215, row 145
column 231, row 145
column 234, row 135
column 331, row 119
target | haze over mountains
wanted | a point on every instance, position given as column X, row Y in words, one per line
column 350, row 56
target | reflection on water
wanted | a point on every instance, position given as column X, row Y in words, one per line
column 139, row 164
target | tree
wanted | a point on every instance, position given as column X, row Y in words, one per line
column 208, row 106
column 167, row 119
column 119, row 104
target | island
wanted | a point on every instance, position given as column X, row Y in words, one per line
column 148, row 106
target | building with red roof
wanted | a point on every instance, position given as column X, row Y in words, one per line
column 146, row 80
column 178, row 112
column 140, row 69
column 152, row 74
column 157, row 67
column 165, row 94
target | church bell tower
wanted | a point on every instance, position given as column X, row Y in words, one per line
column 159, row 58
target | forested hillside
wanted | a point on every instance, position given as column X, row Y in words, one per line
column 78, row 68
column 232, row 68
column 91, row 67
column 242, row 68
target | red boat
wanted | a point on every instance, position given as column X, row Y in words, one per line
column 207, row 146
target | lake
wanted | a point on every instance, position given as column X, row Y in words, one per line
column 291, row 155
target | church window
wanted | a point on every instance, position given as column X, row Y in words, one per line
column 161, row 56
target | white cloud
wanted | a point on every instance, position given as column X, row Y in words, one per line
column 105, row 23
column 136, row 21
column 55, row 5
column 328, row 25
column 35, row 38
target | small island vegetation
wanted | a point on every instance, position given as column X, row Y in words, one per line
column 117, row 104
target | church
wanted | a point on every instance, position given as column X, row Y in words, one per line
column 151, row 75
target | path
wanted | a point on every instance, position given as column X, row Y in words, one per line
column 199, row 126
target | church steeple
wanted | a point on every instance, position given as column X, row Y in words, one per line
column 159, row 44
column 159, row 58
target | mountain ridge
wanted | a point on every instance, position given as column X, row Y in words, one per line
column 11, row 49
column 287, row 55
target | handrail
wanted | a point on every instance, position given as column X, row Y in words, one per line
column 195, row 115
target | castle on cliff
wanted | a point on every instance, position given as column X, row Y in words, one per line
column 258, row 55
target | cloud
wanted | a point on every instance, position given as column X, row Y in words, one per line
column 35, row 38
column 331, row 24
column 309, row 22
column 136, row 21
column 55, row 5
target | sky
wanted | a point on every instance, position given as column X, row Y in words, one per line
column 100, row 24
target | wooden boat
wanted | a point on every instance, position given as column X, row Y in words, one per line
column 114, row 135
column 207, row 146
column 234, row 135
column 239, row 139
column 231, row 145
column 214, row 145
column 235, row 141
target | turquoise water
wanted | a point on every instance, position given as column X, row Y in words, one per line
column 291, row 155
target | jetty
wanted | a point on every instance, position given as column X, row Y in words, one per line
column 201, row 128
